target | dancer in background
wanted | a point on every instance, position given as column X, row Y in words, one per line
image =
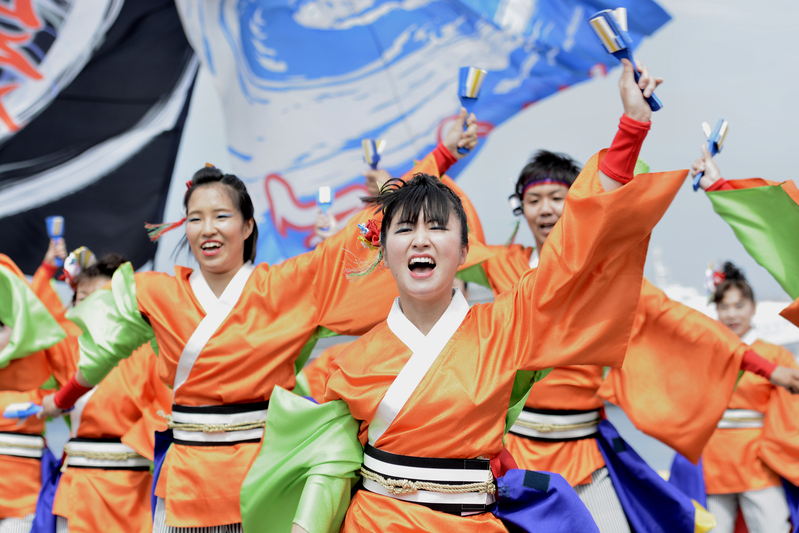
column 752, row 461
column 26, row 328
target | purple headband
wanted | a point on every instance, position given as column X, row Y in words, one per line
column 543, row 181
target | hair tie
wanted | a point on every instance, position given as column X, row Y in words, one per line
column 544, row 180
column 713, row 279
column 209, row 165
column 189, row 184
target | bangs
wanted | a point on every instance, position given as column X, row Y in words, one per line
column 421, row 194
column 433, row 202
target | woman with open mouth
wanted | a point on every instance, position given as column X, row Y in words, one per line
column 429, row 387
column 227, row 333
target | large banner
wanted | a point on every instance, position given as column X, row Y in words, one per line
column 93, row 98
column 303, row 81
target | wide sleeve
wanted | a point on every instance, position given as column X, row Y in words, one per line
column 150, row 396
column 779, row 444
column 112, row 326
column 578, row 306
column 42, row 285
column 679, row 374
column 317, row 370
column 307, row 471
column 791, row 313
column 33, row 328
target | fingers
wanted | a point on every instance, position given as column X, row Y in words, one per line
column 469, row 136
column 460, row 120
column 698, row 166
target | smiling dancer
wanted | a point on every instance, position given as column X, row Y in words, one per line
column 227, row 333
column 430, row 386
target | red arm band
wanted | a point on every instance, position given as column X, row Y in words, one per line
column 619, row 161
column 444, row 159
column 69, row 394
column 755, row 364
column 49, row 269
column 720, row 185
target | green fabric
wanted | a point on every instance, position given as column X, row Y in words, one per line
column 50, row 384
column 522, row 385
column 112, row 326
column 305, row 353
column 474, row 274
column 302, row 388
column 641, row 167
column 306, row 468
column 33, row 328
column 765, row 220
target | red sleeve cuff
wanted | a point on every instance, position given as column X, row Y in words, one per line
column 69, row 394
column 755, row 364
column 720, row 185
column 444, row 159
column 619, row 161
column 49, row 269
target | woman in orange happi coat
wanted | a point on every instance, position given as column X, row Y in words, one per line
column 433, row 381
column 106, row 481
column 557, row 429
column 21, row 443
column 227, row 334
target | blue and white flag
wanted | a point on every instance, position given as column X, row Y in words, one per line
column 302, row 82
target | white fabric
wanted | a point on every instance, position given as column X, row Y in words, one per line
column 217, row 310
column 436, row 475
column 103, row 447
column 534, row 258
column 558, row 420
column 77, row 412
column 222, row 436
column 750, row 337
column 8, row 442
column 740, row 419
column 424, row 352
column 765, row 511
column 61, row 524
column 603, row 503
column 16, row 525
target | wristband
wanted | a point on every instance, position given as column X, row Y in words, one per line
column 444, row 159
column 49, row 269
column 69, row 394
column 754, row 363
column 720, row 185
column 619, row 161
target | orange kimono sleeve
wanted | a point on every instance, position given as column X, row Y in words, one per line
column 679, row 373
column 316, row 371
column 578, row 306
column 791, row 313
column 779, row 444
column 151, row 396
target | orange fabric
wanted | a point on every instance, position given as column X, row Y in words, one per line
column 791, row 313
column 551, row 317
column 740, row 460
column 105, row 500
column 254, row 350
column 473, row 221
column 19, row 485
column 316, row 371
column 679, row 373
column 20, row 481
column 43, row 288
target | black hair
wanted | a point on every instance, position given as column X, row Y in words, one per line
column 733, row 278
column 238, row 194
column 545, row 164
column 105, row 267
column 422, row 193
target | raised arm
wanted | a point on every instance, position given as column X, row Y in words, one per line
column 578, row 306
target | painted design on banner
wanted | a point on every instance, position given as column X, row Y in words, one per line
column 304, row 81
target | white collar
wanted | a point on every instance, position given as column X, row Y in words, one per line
column 203, row 292
column 534, row 258
column 750, row 336
column 410, row 335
